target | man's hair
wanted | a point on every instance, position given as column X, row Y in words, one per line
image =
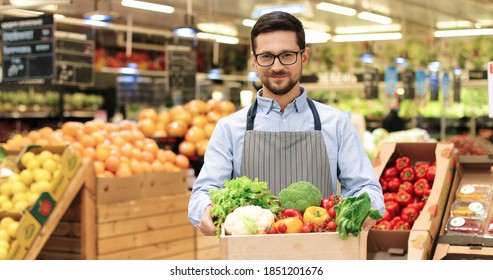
column 278, row 21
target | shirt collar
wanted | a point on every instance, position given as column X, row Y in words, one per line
column 266, row 104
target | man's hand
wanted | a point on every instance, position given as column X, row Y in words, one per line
column 206, row 226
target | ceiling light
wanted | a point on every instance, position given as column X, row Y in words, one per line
column 313, row 36
column 368, row 29
column 367, row 37
column 22, row 13
column 218, row 38
column 375, row 18
column 101, row 15
column 148, row 6
column 218, row 28
column 303, row 8
column 453, row 24
column 336, row 9
column 463, row 32
column 248, row 22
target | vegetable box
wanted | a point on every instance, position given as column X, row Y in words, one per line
column 294, row 246
column 467, row 232
column 416, row 243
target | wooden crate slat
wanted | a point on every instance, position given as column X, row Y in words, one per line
column 154, row 251
column 125, row 227
column 136, row 240
column 184, row 256
column 63, row 244
column 213, row 253
column 204, row 242
column 140, row 208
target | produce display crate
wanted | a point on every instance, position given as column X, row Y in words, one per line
column 294, row 246
column 207, row 247
column 419, row 242
column 471, row 170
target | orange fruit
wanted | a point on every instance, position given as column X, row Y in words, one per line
column 123, row 172
column 111, row 127
column 176, row 128
column 136, row 153
column 136, row 166
column 126, row 150
column 46, row 132
column 201, row 146
column 90, row 126
column 90, row 153
column 187, row 148
column 102, row 153
column 99, row 167
column 33, row 135
column 146, row 156
column 87, row 141
column 199, row 120
column 195, row 134
column 166, row 156
column 107, row 174
column 112, row 163
column 157, row 166
column 147, row 126
column 147, row 166
column 148, row 113
column 209, row 129
column 71, row 128
column 182, row 162
column 127, row 125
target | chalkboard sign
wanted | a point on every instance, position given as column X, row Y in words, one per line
column 74, row 55
column 27, row 51
column 182, row 67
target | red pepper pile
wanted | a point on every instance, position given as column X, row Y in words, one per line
column 405, row 189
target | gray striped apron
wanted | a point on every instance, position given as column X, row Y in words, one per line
column 282, row 158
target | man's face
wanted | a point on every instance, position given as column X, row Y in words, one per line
column 279, row 79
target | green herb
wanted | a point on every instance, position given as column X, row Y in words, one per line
column 351, row 212
column 241, row 191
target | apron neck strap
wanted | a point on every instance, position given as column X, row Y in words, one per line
column 252, row 112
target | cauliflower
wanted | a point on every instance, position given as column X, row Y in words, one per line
column 300, row 195
column 250, row 219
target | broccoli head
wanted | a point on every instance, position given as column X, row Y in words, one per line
column 300, row 195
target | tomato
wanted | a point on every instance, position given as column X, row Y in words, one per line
column 332, row 226
column 282, row 228
column 332, row 212
column 305, row 229
column 289, row 225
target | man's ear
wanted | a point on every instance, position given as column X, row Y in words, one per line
column 305, row 55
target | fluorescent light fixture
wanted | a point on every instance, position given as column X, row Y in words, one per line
column 434, row 66
column 148, row 6
column 336, row 9
column 367, row 37
column 375, row 18
column 304, row 8
column 214, row 74
column 367, row 58
column 218, row 28
column 368, row 29
column 313, row 36
column 463, row 32
column 96, row 23
column 99, row 16
column 218, row 38
column 248, row 22
column 185, row 32
column 453, row 24
column 58, row 16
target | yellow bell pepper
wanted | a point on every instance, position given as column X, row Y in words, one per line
column 315, row 215
column 289, row 225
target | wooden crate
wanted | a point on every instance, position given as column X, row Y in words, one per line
column 153, row 228
column 294, row 246
column 207, row 247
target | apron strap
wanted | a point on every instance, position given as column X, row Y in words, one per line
column 252, row 112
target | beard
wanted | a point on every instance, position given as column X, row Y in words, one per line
column 277, row 89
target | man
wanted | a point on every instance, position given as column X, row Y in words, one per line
column 283, row 137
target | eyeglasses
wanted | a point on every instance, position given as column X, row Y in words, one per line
column 285, row 58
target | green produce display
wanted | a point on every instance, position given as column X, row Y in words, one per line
column 239, row 192
column 351, row 212
column 300, row 195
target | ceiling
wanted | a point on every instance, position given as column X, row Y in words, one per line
column 416, row 17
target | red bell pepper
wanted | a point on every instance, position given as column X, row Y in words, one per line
column 407, row 174
column 291, row 212
column 389, row 173
column 409, row 214
column 393, row 208
column 420, row 186
column 401, row 225
column 420, row 170
column 407, row 187
column 416, row 204
column 402, row 162
column 383, row 225
column 386, row 217
column 404, row 198
column 426, row 194
column 393, row 184
column 430, row 174
column 389, row 196
column 395, row 220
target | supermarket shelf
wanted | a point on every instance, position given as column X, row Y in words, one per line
column 27, row 115
column 78, row 114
